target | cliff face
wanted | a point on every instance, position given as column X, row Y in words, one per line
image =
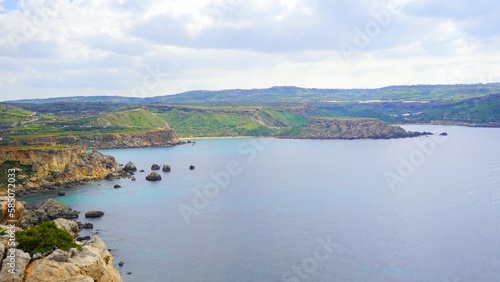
column 41, row 169
column 163, row 137
column 53, row 159
column 323, row 128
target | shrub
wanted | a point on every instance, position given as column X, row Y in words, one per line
column 44, row 237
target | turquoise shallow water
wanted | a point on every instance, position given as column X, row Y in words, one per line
column 422, row 209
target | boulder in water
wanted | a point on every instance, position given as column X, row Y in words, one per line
column 153, row 176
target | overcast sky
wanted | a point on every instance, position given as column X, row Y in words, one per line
column 142, row 48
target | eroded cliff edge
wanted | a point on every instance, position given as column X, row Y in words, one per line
column 43, row 168
column 155, row 138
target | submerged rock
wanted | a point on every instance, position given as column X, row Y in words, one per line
column 153, row 176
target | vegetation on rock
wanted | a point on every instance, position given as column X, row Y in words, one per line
column 45, row 237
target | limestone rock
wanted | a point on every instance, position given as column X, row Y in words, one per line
column 2, row 250
column 68, row 225
column 22, row 260
column 94, row 214
column 153, row 176
column 4, row 210
column 60, row 167
column 130, row 167
column 50, row 209
column 93, row 263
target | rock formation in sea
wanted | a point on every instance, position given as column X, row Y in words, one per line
column 130, row 167
column 41, row 168
column 94, row 214
column 153, row 176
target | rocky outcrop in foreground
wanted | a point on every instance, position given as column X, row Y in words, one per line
column 42, row 168
column 93, row 263
column 327, row 128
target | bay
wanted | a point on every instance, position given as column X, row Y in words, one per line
column 420, row 209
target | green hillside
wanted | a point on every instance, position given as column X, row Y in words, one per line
column 138, row 118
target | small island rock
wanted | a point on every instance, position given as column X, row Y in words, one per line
column 94, row 214
column 130, row 167
column 155, row 167
column 153, row 176
column 117, row 186
column 166, row 168
column 191, row 167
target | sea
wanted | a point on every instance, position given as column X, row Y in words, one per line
column 264, row 209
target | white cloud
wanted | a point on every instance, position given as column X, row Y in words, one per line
column 82, row 47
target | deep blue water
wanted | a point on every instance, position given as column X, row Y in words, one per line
column 307, row 210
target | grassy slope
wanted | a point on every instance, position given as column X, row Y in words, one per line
column 138, row 118
column 212, row 122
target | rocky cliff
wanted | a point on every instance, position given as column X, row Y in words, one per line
column 156, row 138
column 48, row 168
column 327, row 128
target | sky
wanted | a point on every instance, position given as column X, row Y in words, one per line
column 144, row 48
